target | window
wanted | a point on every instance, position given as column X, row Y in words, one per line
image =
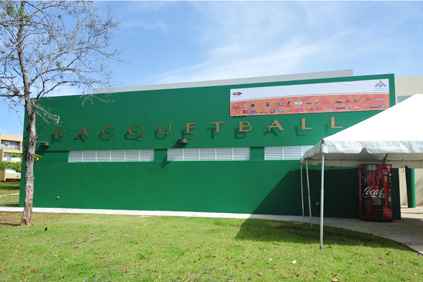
column 111, row 156
column 209, row 154
column 285, row 153
column 5, row 144
column 402, row 98
column 9, row 158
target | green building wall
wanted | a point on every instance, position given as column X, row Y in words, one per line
column 255, row 186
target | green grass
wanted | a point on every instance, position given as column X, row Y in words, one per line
column 7, row 188
column 121, row 248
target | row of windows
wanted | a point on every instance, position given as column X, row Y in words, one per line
column 187, row 154
column 9, row 158
column 285, row 153
column 5, row 144
column 209, row 154
column 111, row 156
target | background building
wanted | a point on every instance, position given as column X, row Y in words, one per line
column 10, row 144
column 404, row 88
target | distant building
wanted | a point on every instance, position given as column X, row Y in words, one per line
column 10, row 144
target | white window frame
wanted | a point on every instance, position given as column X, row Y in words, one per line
column 284, row 152
column 92, row 156
column 208, row 154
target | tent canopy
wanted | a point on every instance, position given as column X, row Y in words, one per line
column 393, row 136
column 390, row 137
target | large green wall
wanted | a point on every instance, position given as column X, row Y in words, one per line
column 254, row 186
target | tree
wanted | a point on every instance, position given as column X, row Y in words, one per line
column 45, row 45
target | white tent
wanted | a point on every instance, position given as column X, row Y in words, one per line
column 393, row 136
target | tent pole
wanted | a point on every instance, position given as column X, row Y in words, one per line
column 309, row 197
column 302, row 193
column 321, row 201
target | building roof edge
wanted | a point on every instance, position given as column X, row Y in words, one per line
column 261, row 79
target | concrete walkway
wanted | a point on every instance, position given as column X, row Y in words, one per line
column 408, row 231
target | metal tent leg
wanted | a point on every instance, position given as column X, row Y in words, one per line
column 322, row 200
column 309, row 195
column 302, row 193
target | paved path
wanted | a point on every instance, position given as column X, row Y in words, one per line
column 408, row 231
column 9, row 195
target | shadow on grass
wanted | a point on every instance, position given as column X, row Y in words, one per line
column 285, row 232
column 6, row 224
column 13, row 205
column 15, row 186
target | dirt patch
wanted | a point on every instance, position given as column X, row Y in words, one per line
column 12, row 219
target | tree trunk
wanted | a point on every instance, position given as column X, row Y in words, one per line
column 29, row 165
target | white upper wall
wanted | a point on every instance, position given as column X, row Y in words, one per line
column 408, row 85
column 262, row 79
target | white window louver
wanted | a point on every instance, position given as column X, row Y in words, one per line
column 132, row 156
column 191, row 154
column 241, row 154
column 103, row 156
column 111, row 156
column 175, row 155
column 146, row 155
column 75, row 156
column 285, row 152
column 89, row 156
column 208, row 154
column 117, row 156
column 292, row 153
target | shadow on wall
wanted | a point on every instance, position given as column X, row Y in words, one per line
column 341, row 194
column 283, row 199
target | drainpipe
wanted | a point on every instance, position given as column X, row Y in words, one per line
column 411, row 187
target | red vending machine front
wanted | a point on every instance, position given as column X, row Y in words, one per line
column 375, row 192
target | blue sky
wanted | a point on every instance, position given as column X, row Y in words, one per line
column 168, row 42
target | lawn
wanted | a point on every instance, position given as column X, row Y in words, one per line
column 8, row 191
column 121, row 248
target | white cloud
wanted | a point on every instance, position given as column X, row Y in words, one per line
column 259, row 39
column 65, row 90
column 138, row 7
column 252, row 39
column 284, row 59
column 134, row 25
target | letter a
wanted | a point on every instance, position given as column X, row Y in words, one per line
column 275, row 124
column 83, row 131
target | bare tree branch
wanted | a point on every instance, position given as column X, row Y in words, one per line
column 45, row 45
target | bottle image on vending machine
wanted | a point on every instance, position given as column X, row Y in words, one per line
column 375, row 192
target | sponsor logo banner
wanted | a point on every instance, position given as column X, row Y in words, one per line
column 351, row 96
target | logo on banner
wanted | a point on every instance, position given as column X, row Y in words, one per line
column 380, row 85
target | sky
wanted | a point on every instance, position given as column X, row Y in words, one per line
column 174, row 41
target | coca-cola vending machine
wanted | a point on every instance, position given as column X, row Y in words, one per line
column 375, row 192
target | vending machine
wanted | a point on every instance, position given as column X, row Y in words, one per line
column 375, row 192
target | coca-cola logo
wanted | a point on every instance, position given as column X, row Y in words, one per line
column 371, row 192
